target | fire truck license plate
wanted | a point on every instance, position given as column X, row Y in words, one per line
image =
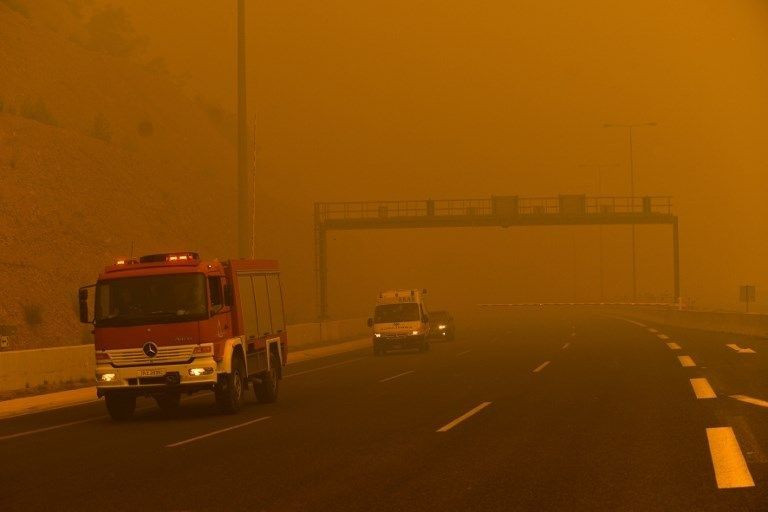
column 152, row 372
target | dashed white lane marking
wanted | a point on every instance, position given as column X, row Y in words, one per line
column 541, row 367
column 686, row 361
column 651, row 329
column 463, row 417
column 634, row 322
column 216, row 432
column 731, row 469
column 566, row 346
column 702, row 389
column 464, row 352
column 750, row 400
column 324, row 367
column 396, row 376
column 662, row 336
column 740, row 350
column 674, row 346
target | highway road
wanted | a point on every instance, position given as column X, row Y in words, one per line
column 526, row 410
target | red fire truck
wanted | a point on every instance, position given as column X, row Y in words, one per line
column 169, row 324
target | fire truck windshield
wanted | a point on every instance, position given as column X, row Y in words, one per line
column 402, row 312
column 151, row 300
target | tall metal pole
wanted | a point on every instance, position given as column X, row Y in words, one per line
column 676, row 260
column 243, row 210
column 632, row 197
column 632, row 209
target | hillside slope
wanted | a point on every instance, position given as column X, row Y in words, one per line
column 97, row 154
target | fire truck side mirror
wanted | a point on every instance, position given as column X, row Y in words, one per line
column 82, row 296
column 370, row 322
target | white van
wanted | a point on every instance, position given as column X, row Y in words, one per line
column 400, row 321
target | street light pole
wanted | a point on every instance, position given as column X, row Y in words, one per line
column 630, row 128
column 243, row 217
column 599, row 168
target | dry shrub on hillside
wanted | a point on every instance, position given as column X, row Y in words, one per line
column 38, row 111
column 18, row 6
column 33, row 314
column 101, row 128
column 109, row 30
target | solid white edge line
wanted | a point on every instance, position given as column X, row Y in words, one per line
column 396, row 376
column 731, row 470
column 463, row 417
column 464, row 352
column 541, row 367
column 52, row 427
column 216, row 432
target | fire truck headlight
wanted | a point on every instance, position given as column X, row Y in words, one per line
column 198, row 372
column 378, row 335
column 415, row 333
column 441, row 327
column 106, row 377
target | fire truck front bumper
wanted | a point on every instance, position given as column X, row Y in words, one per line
column 197, row 375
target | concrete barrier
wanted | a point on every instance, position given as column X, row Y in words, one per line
column 22, row 369
column 719, row 321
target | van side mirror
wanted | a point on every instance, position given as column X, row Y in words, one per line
column 82, row 299
column 370, row 322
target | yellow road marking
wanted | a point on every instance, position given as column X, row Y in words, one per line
column 463, row 417
column 663, row 336
column 750, row 400
column 674, row 346
column 702, row 389
column 686, row 361
column 541, row 367
column 731, row 469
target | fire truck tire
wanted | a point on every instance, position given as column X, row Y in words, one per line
column 120, row 407
column 266, row 390
column 230, row 390
column 168, row 402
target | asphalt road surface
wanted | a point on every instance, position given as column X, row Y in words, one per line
column 524, row 411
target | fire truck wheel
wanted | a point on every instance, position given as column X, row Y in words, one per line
column 120, row 407
column 168, row 402
column 266, row 390
column 229, row 390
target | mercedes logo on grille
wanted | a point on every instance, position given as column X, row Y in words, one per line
column 150, row 349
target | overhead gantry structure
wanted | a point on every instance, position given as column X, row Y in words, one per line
column 497, row 211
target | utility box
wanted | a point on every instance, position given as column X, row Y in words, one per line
column 647, row 205
column 573, row 204
column 504, row 206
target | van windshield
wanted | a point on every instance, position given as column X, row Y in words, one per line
column 403, row 312
column 151, row 300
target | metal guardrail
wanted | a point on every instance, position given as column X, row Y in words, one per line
column 498, row 206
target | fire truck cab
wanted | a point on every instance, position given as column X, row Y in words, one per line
column 170, row 324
